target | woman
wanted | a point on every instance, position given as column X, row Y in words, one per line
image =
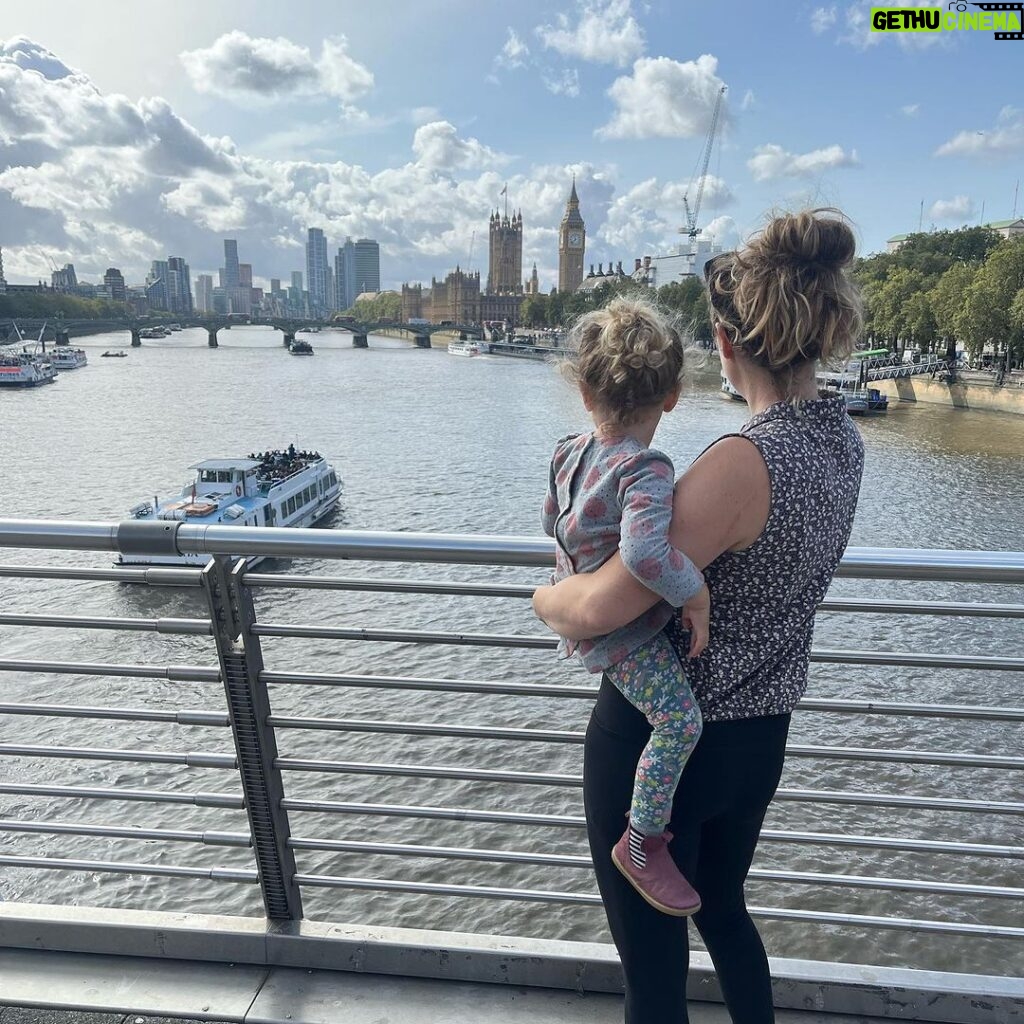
column 767, row 514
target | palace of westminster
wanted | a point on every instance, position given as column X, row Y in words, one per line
column 459, row 298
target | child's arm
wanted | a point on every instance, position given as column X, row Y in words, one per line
column 645, row 491
column 549, row 512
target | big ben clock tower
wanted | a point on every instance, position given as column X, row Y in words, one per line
column 572, row 241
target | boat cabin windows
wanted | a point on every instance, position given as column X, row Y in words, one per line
column 216, row 476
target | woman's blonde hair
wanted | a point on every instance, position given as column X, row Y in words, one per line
column 627, row 356
column 785, row 298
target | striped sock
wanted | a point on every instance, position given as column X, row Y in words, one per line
column 636, row 849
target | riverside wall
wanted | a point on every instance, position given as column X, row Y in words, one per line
column 959, row 394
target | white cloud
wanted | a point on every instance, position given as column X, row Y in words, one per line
column 772, row 162
column 749, row 100
column 438, row 147
column 648, row 217
column 102, row 181
column 722, row 231
column 565, row 84
column 911, row 109
column 823, row 19
column 959, row 208
column 605, row 33
column 664, row 98
column 514, row 53
column 1006, row 137
column 243, row 67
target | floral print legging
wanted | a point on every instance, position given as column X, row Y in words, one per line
column 652, row 680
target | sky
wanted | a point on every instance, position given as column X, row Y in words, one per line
column 125, row 138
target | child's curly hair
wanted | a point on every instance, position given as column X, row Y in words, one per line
column 627, row 356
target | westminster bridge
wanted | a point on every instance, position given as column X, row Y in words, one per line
column 61, row 331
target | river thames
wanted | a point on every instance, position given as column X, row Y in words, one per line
column 424, row 442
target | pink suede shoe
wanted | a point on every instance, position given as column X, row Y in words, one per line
column 660, row 881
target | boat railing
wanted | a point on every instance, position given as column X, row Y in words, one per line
column 949, row 871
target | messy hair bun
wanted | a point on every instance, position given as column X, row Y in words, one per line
column 785, row 297
column 627, row 356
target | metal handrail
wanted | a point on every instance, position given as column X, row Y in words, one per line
column 247, row 683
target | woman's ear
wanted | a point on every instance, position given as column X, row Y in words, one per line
column 588, row 398
column 724, row 342
column 671, row 400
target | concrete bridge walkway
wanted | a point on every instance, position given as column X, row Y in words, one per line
column 94, row 989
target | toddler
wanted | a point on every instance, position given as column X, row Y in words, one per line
column 608, row 490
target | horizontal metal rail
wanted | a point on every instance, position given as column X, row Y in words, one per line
column 930, row 757
column 474, row 815
column 122, row 868
column 918, row 803
column 407, row 636
column 228, row 801
column 524, row 591
column 201, row 627
column 189, row 759
column 74, row 828
column 215, row 718
column 368, row 545
column 594, row 900
column 175, row 673
column 582, row 861
column 152, row 576
column 428, row 684
column 475, row 732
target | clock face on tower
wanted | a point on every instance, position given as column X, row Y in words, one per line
column 575, row 239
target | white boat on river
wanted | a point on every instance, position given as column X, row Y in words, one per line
column 65, row 358
column 25, row 370
column 276, row 488
column 463, row 348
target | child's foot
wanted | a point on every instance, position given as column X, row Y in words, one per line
column 650, row 869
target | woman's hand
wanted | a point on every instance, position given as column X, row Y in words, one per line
column 696, row 615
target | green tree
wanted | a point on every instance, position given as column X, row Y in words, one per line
column 534, row 312
column 989, row 315
column 385, row 306
column 948, row 299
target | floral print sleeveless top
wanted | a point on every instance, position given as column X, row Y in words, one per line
column 763, row 599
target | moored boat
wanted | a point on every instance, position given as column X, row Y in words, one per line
column 25, row 370
column 463, row 348
column 274, row 488
column 65, row 358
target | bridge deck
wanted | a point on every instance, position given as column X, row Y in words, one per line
column 73, row 988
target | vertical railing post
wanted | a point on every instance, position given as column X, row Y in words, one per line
column 241, row 665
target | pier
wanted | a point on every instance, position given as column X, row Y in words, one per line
column 259, row 809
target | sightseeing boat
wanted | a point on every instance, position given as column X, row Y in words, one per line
column 65, row 358
column 274, row 488
column 154, row 332
column 300, row 348
column 728, row 391
column 463, row 348
column 25, row 370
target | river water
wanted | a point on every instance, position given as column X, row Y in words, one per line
column 427, row 442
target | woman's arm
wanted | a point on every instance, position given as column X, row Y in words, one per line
column 721, row 504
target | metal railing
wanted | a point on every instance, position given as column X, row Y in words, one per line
column 263, row 778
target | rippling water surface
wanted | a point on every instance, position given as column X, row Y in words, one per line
column 427, row 442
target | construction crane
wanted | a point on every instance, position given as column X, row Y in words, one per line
column 692, row 213
column 469, row 262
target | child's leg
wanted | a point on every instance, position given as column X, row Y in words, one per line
column 652, row 680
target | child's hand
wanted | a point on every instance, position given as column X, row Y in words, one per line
column 695, row 615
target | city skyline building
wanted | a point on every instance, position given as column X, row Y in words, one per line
column 316, row 270
column 505, row 263
column 64, row 280
column 230, row 279
column 204, row 293
column 113, row 282
column 365, row 268
column 244, row 275
column 340, row 280
column 157, row 294
column 179, row 285
column 572, row 244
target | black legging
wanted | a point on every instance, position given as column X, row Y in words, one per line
column 716, row 819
